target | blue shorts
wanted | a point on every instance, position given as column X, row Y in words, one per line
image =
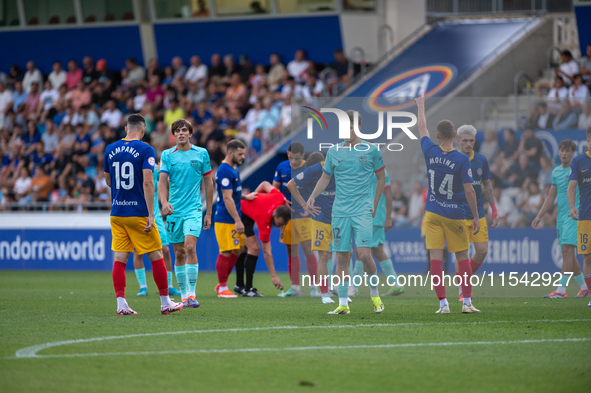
column 379, row 236
column 343, row 228
column 180, row 226
column 161, row 230
column 567, row 232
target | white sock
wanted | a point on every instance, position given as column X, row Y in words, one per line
column 121, row 303
column 143, row 286
column 222, row 289
column 443, row 302
column 190, row 294
column 561, row 289
column 313, row 287
column 467, row 301
column 584, row 286
column 460, row 290
column 374, row 292
column 295, row 288
column 343, row 302
column 165, row 300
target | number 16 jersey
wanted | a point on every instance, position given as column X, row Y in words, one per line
column 447, row 171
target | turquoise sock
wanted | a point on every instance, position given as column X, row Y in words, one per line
column 192, row 272
column 181, row 279
column 388, row 269
column 358, row 273
column 563, row 280
column 141, row 277
column 169, row 274
column 580, row 279
column 373, row 288
column 343, row 290
column 330, row 270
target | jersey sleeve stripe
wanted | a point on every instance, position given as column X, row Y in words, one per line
column 207, row 173
column 161, row 171
column 381, row 169
column 324, row 170
column 388, row 185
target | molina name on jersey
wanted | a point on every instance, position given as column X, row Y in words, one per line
column 125, row 161
column 448, row 171
column 227, row 178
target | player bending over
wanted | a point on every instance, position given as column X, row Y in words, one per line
column 566, row 227
column 138, row 263
column 484, row 193
column 450, row 178
column 265, row 206
column 353, row 163
column 297, row 230
column 321, row 223
column 229, row 229
column 128, row 166
column 581, row 176
column 181, row 171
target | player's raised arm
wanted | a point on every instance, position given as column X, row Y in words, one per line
column 149, row 196
column 422, row 120
column 208, row 181
column 548, row 204
column 571, row 193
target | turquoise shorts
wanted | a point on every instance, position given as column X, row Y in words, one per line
column 567, row 232
column 344, row 227
column 379, row 236
column 178, row 227
column 161, row 230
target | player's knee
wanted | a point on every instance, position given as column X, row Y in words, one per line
column 254, row 249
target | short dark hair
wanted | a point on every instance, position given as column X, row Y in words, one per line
column 445, row 128
column 296, row 147
column 132, row 60
column 181, row 123
column 589, row 132
column 235, row 144
column 136, row 119
column 567, row 144
column 284, row 212
column 575, row 76
column 567, row 53
column 314, row 159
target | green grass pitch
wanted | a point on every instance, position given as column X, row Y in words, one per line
column 512, row 346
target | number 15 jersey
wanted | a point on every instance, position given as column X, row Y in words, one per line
column 447, row 171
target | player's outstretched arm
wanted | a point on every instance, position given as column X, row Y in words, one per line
column 149, row 197
column 207, row 179
column 422, row 119
column 167, row 208
column 571, row 193
column 271, row 264
column 471, row 198
column 381, row 175
column 548, row 204
column 264, row 187
column 320, row 186
column 388, row 195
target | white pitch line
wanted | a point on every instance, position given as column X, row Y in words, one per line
column 31, row 352
column 329, row 347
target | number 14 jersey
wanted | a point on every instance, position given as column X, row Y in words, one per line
column 447, row 171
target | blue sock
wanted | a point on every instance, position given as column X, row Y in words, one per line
column 181, row 279
column 192, row 271
column 388, row 269
column 358, row 274
column 563, row 280
column 141, row 277
column 580, row 279
column 169, row 274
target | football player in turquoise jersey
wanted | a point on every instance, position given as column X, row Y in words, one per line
column 382, row 222
column 353, row 164
column 566, row 227
column 297, row 230
column 450, row 181
column 182, row 169
column 321, row 224
column 128, row 166
column 580, row 175
column 229, row 229
column 484, row 193
column 138, row 263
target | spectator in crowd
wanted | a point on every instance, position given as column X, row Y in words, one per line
column 80, row 96
column 15, row 74
column 40, row 187
column 275, row 72
column 33, row 75
column 530, row 205
column 312, row 89
column 566, row 118
column 399, row 205
column 531, row 146
column 256, row 8
column 567, row 69
column 508, row 155
column 57, row 76
column 216, row 68
column 341, row 68
column 105, row 78
column 257, row 143
column 539, row 117
column 74, row 74
column 230, row 67
column 416, row 205
column 50, row 138
column 90, row 75
column 236, row 94
column 506, row 208
column 246, row 68
column 139, row 99
column 48, row 96
column 545, row 175
column 22, row 183
column 154, row 70
column 578, row 93
column 556, row 95
column 33, row 101
column 521, row 172
column 585, row 69
column 154, row 94
column 135, row 72
column 101, row 189
column 298, row 66
column 173, row 113
column 5, row 103
column 178, row 68
column 19, row 98
column 159, row 139
column 197, row 73
column 201, row 11
column 112, row 116
column 490, row 148
column 585, row 117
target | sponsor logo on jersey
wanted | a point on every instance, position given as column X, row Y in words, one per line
column 399, row 91
column 479, row 171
